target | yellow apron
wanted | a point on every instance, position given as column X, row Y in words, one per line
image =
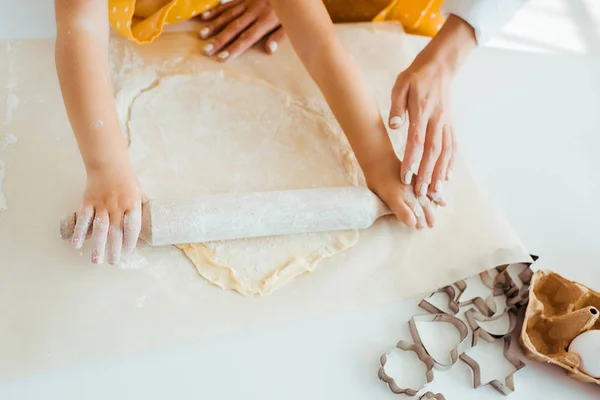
column 143, row 20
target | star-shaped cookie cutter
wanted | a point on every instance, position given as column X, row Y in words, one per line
column 456, row 351
column 505, row 387
column 425, row 358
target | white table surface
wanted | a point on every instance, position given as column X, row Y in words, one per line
column 527, row 109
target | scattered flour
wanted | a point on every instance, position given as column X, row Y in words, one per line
column 2, row 197
column 98, row 124
column 9, row 140
column 139, row 302
column 133, row 261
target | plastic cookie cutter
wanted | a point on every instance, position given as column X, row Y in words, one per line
column 432, row 396
column 425, row 358
column 505, row 387
column 474, row 319
column 427, row 305
column 456, row 351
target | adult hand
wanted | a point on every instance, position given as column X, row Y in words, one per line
column 237, row 25
column 422, row 92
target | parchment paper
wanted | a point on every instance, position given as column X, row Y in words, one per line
column 57, row 309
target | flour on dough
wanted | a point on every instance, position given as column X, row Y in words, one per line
column 215, row 132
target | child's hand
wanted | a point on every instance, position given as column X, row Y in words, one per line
column 384, row 179
column 112, row 203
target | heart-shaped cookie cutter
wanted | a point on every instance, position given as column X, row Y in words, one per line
column 456, row 351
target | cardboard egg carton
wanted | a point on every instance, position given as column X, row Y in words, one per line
column 558, row 311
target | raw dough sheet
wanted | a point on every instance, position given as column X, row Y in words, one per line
column 58, row 310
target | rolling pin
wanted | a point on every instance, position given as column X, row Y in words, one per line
column 245, row 215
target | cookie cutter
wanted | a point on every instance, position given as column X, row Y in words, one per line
column 453, row 306
column 506, row 387
column 425, row 358
column 486, row 306
column 456, row 351
column 474, row 318
column 432, row 396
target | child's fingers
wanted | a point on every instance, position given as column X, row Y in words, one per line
column 132, row 225
column 82, row 225
column 218, row 10
column 274, row 40
column 99, row 236
column 249, row 37
column 115, row 238
column 403, row 209
column 428, row 209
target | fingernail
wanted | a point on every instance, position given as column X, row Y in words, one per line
column 204, row 32
column 209, row 48
column 408, row 177
column 395, row 122
column 273, row 46
column 414, row 167
column 206, row 14
column 449, row 174
column 438, row 187
column 423, row 189
column 223, row 55
column 96, row 259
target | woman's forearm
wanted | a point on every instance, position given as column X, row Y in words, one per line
column 82, row 67
column 451, row 46
column 339, row 78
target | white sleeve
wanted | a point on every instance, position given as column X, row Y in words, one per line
column 487, row 17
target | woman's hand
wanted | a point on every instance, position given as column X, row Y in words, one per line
column 423, row 92
column 112, row 204
column 237, row 25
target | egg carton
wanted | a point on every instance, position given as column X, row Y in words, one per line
column 558, row 311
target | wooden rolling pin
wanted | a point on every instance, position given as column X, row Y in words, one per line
column 245, row 215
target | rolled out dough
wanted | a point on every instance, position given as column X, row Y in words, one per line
column 216, row 132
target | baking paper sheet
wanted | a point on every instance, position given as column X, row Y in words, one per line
column 57, row 309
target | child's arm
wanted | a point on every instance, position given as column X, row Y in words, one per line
column 112, row 199
column 316, row 43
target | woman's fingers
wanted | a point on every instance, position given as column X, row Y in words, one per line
column 274, row 40
column 132, row 225
column 399, row 103
column 450, row 169
column 99, row 236
column 218, row 10
column 431, row 153
column 82, row 225
column 440, row 173
column 229, row 33
column 226, row 21
column 415, row 140
column 250, row 37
